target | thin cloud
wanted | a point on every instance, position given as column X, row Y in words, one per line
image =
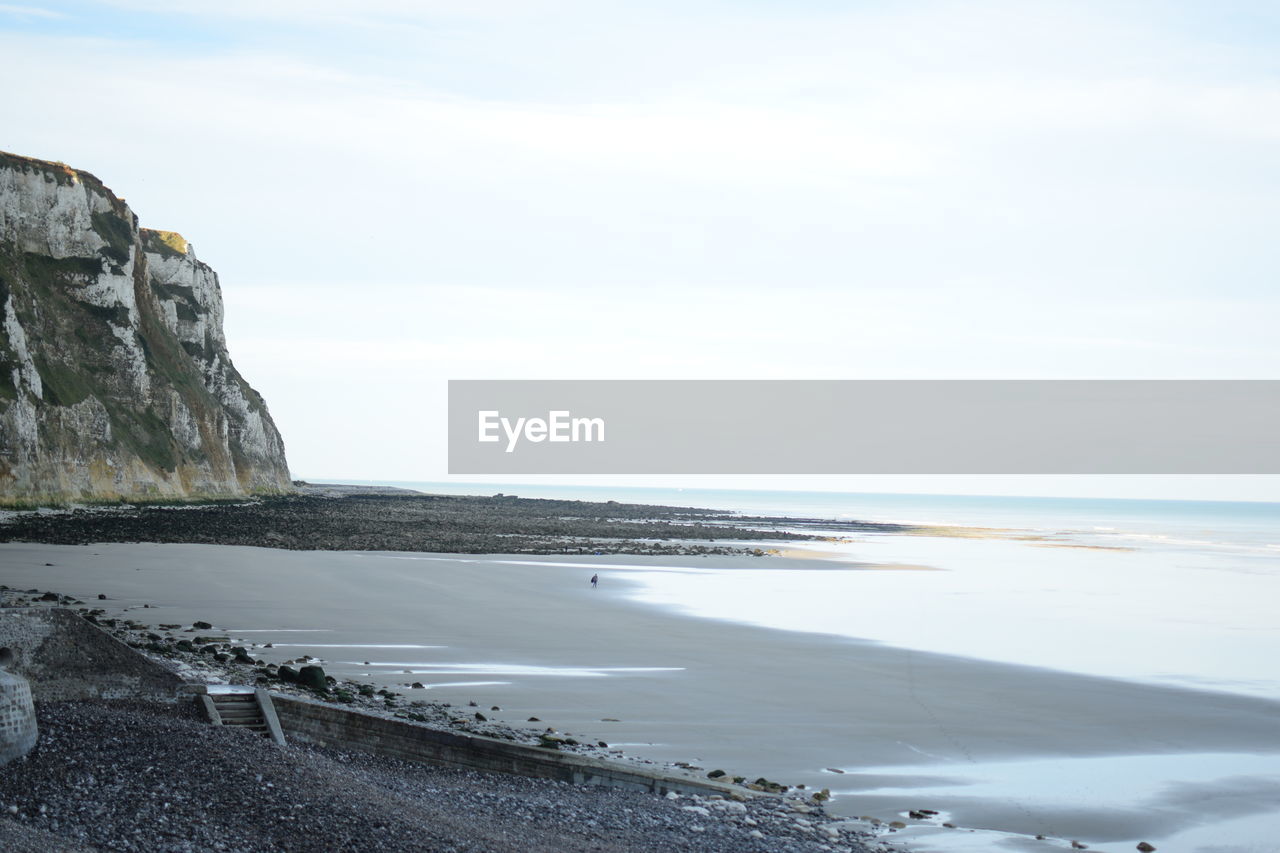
column 30, row 11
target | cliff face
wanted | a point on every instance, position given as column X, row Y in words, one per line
column 114, row 376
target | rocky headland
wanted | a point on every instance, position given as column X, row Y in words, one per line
column 115, row 381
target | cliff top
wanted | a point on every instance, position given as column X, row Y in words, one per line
column 154, row 240
column 63, row 174
column 60, row 171
column 164, row 242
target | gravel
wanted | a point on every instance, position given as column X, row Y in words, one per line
column 141, row 777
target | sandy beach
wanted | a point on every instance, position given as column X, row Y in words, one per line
column 529, row 634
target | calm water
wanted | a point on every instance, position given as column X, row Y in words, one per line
column 1247, row 530
column 1251, row 524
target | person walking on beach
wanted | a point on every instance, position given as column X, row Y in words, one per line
column 595, row 579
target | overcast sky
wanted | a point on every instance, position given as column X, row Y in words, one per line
column 398, row 193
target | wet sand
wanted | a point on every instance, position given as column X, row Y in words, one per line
column 752, row 701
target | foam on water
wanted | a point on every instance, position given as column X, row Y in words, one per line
column 355, row 646
column 419, row 668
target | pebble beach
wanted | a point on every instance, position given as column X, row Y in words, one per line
column 137, row 777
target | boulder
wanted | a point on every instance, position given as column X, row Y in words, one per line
column 313, row 677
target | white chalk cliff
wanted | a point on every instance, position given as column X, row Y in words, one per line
column 114, row 376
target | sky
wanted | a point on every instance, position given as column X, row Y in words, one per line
column 399, row 193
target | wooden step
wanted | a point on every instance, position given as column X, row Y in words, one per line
column 247, row 717
column 246, row 711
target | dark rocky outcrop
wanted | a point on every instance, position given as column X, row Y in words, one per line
column 415, row 522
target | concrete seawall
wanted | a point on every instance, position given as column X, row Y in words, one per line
column 18, row 729
column 66, row 658
column 326, row 725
